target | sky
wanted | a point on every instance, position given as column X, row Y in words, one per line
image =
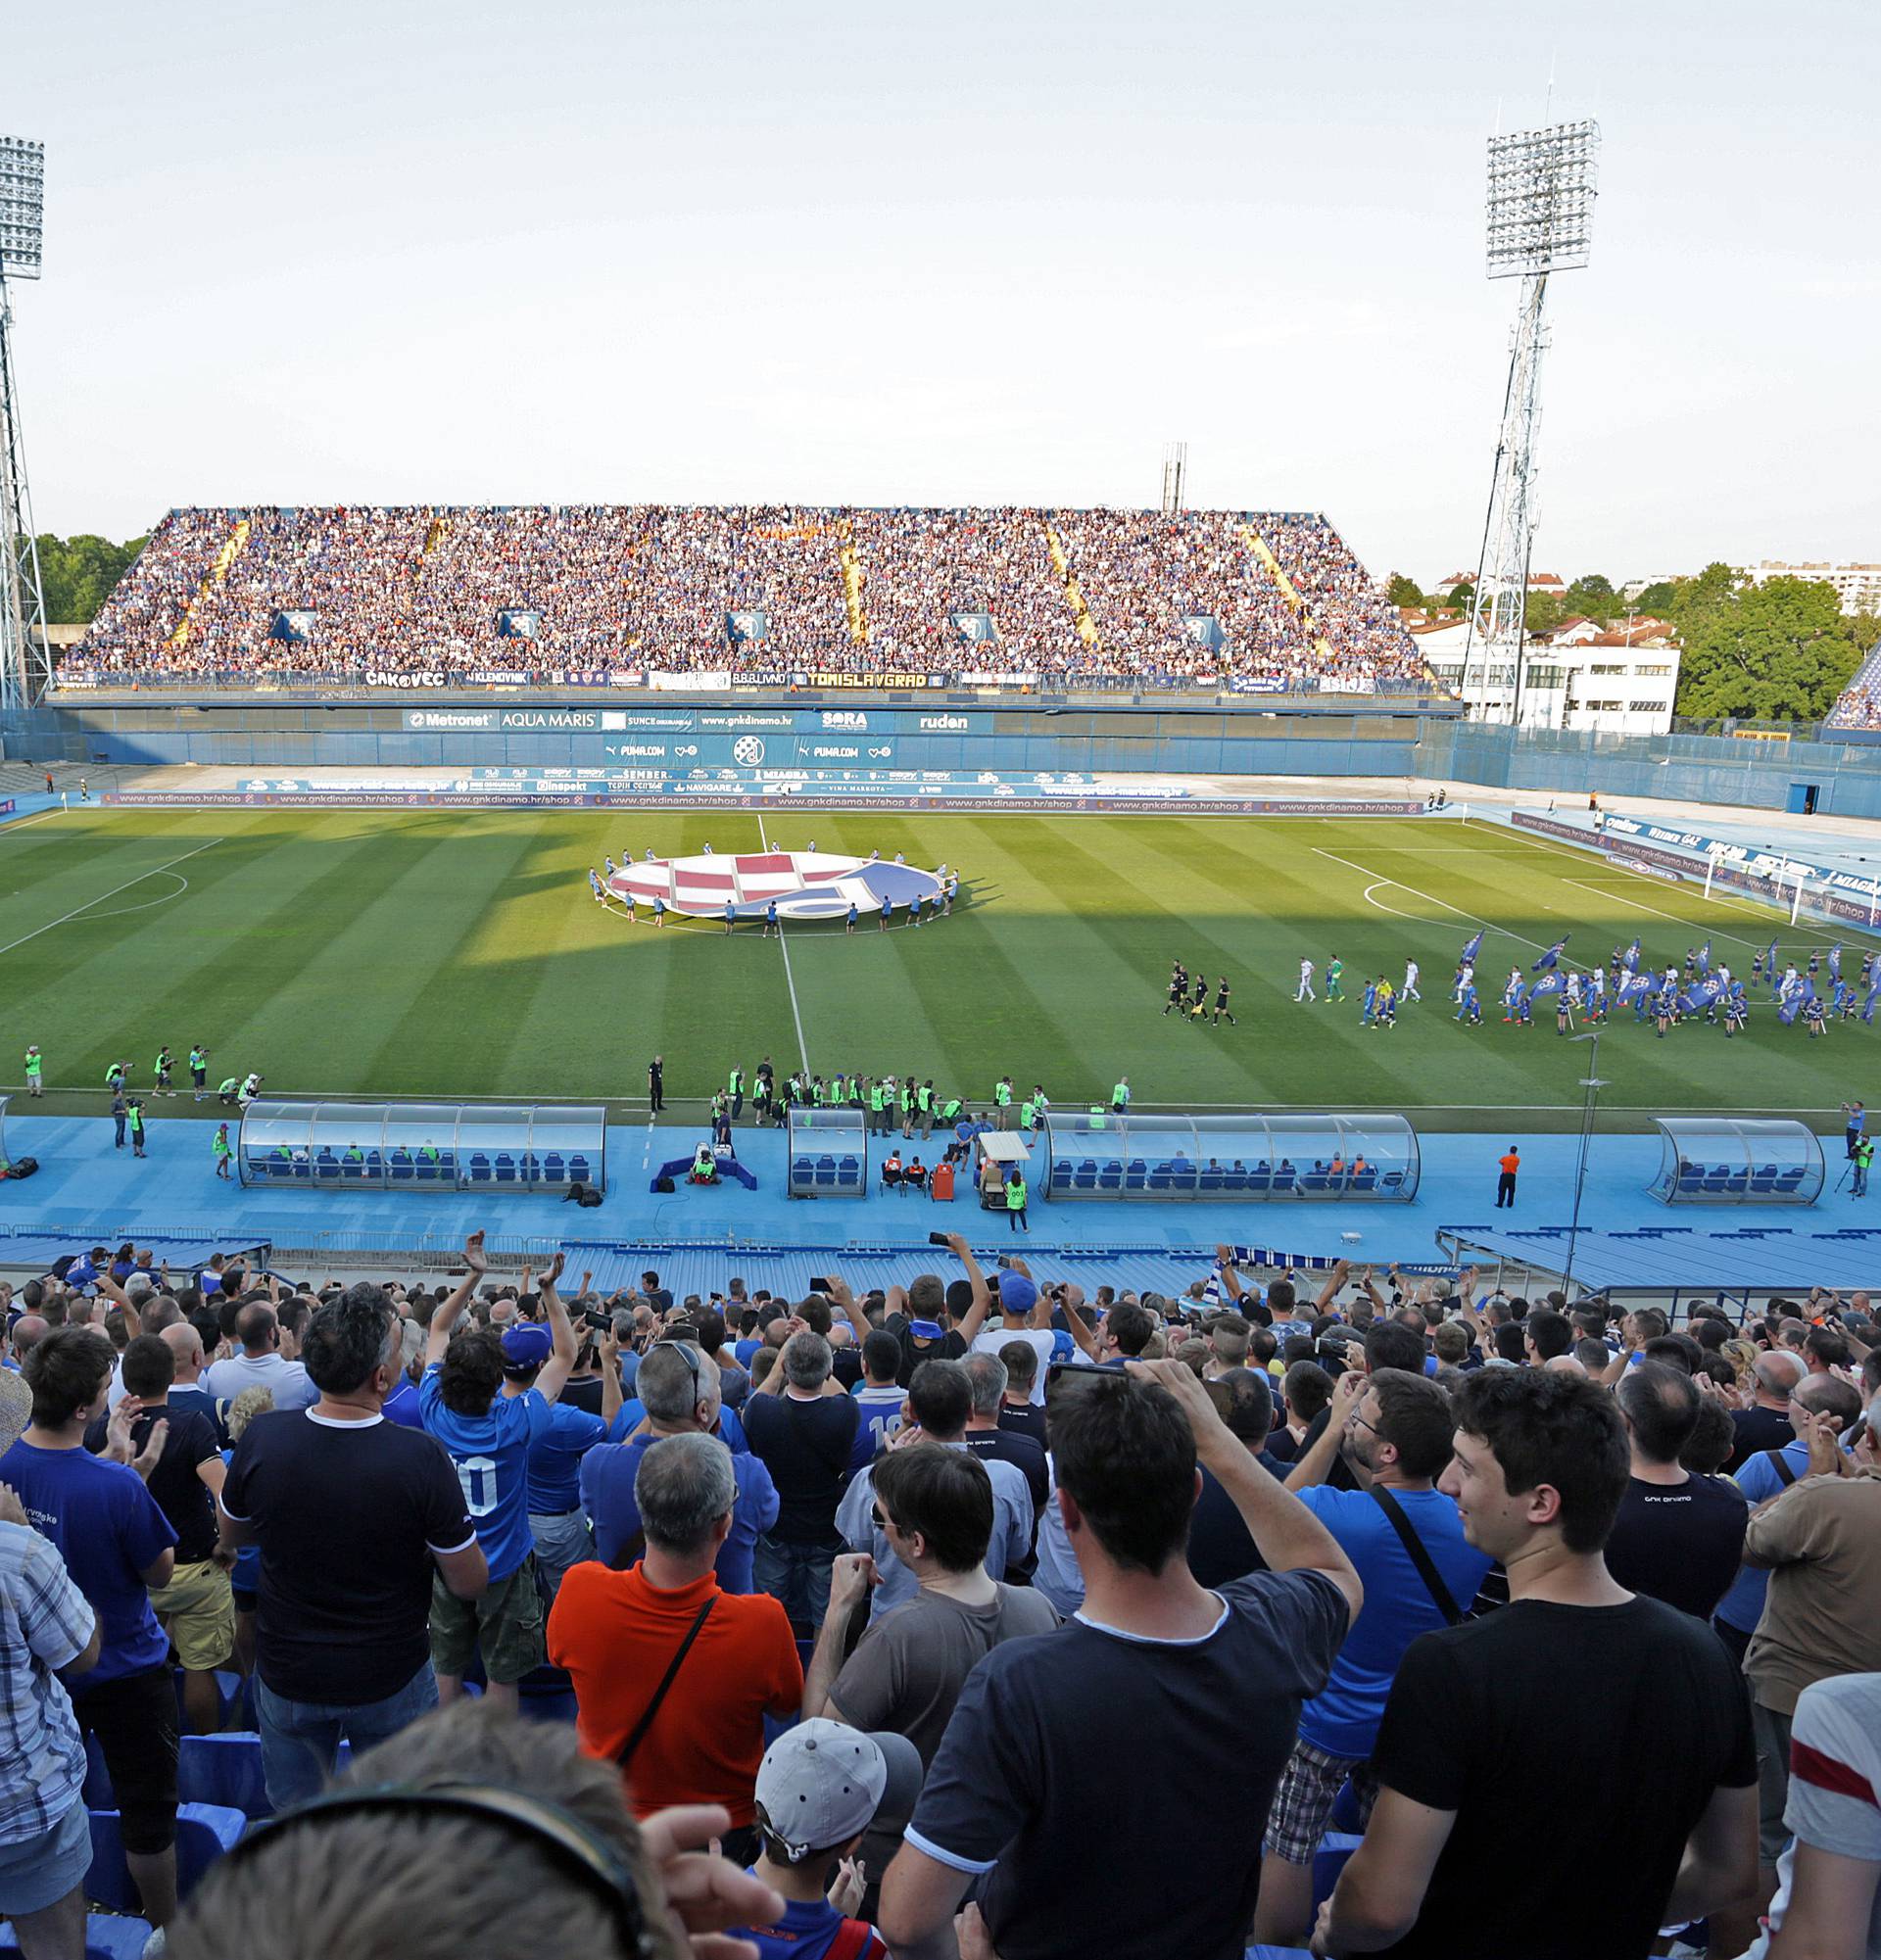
column 1000, row 251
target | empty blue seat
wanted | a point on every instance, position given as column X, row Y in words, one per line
column 204, row 1832
column 225, row 1770
column 555, row 1168
column 506, row 1167
column 578, row 1169
column 1136, row 1178
column 1061, row 1174
column 1111, row 1178
column 1085, row 1181
column 479, row 1168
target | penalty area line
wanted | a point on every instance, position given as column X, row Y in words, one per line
column 77, row 910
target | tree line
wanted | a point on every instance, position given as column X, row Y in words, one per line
column 1779, row 651
column 78, row 573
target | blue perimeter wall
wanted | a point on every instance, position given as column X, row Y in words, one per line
column 662, row 737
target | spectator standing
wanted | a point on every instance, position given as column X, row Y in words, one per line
column 674, row 1676
column 351, row 1515
column 1760, row 1478
column 1029, row 1761
column 197, row 1607
column 1677, row 1537
column 46, row 1625
column 803, row 1428
column 877, row 1395
column 1658, row 1771
column 1766, row 1423
column 1407, row 1544
column 117, row 1547
column 1018, row 1297
column 908, row 1671
column 989, row 1438
column 1820, row 1539
column 680, row 1394
column 1020, row 1414
column 489, row 1436
column 1828, row 1900
column 1220, row 1548
column 819, row 1788
column 259, row 1364
column 557, row 1526
column 939, row 1406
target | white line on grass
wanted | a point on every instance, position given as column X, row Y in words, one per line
column 111, row 893
column 783, row 947
column 23, row 823
column 1366, row 871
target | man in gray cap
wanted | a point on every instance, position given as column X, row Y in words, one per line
column 819, row 1788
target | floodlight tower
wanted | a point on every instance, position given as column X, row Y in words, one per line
column 1542, row 186
column 25, row 658
column 1175, row 478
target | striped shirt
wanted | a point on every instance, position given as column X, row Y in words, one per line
column 45, row 1623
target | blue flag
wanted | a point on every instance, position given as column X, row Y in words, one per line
column 1635, row 988
column 1791, row 1008
column 1695, row 1000
column 1630, row 964
column 1473, row 947
column 1550, row 983
column 1546, row 962
column 1835, row 961
column 1705, row 957
column 1769, row 962
column 1867, row 1006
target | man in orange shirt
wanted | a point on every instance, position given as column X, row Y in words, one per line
column 1509, row 1162
column 673, row 1677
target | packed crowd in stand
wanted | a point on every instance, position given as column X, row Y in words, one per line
column 1859, row 706
column 332, row 594
column 892, row 1621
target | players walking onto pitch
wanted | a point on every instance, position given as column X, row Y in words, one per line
column 1306, row 982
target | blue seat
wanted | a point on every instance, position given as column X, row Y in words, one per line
column 374, row 1163
column 1738, row 1181
column 1234, row 1180
column 1366, row 1180
column 401, row 1166
column 225, row 1771
column 554, row 1168
column 529, row 1168
column 479, row 1168
column 826, row 1176
column 1214, row 1181
column 108, row 1936
column 1085, row 1181
column 1111, row 1178
column 325, row 1164
column 1315, row 1180
column 1391, row 1183
column 1789, row 1181
column 506, row 1167
column 849, row 1173
column 1060, row 1175
column 578, row 1169
column 1136, row 1178
column 204, row 1833
column 1260, row 1181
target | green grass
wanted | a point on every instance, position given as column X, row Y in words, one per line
column 458, row 953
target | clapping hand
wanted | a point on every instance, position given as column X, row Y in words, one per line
column 704, row 1892
column 474, row 1254
column 851, row 1881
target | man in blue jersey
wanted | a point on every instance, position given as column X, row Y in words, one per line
column 1393, row 1430
column 489, row 1436
column 556, row 1525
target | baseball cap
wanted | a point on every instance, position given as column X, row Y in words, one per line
column 527, row 1345
column 822, row 1782
column 1017, row 1293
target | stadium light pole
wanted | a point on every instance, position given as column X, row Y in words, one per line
column 1591, row 1084
column 26, row 657
column 1542, row 186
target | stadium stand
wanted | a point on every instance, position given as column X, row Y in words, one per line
column 270, row 596
column 1859, row 706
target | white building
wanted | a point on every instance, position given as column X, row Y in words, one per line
column 1615, row 682
column 1857, row 587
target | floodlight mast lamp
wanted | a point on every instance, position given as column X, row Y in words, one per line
column 1542, row 186
column 26, row 657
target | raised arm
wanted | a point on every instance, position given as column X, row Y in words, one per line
column 119, row 1298
column 561, row 1358
column 445, row 1318
column 1329, row 1292
column 842, row 1295
column 1287, row 1535
column 1231, row 1280
column 1317, row 1465
column 609, row 1347
column 975, row 1317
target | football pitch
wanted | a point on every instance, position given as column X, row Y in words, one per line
column 458, row 954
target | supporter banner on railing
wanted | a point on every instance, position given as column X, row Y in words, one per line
column 710, row 681
column 80, row 679
column 405, row 677
column 817, row 677
column 496, row 677
column 6, row 807
column 1259, row 685
column 1759, row 864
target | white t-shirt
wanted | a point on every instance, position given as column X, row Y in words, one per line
column 1042, row 1341
column 287, row 1380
